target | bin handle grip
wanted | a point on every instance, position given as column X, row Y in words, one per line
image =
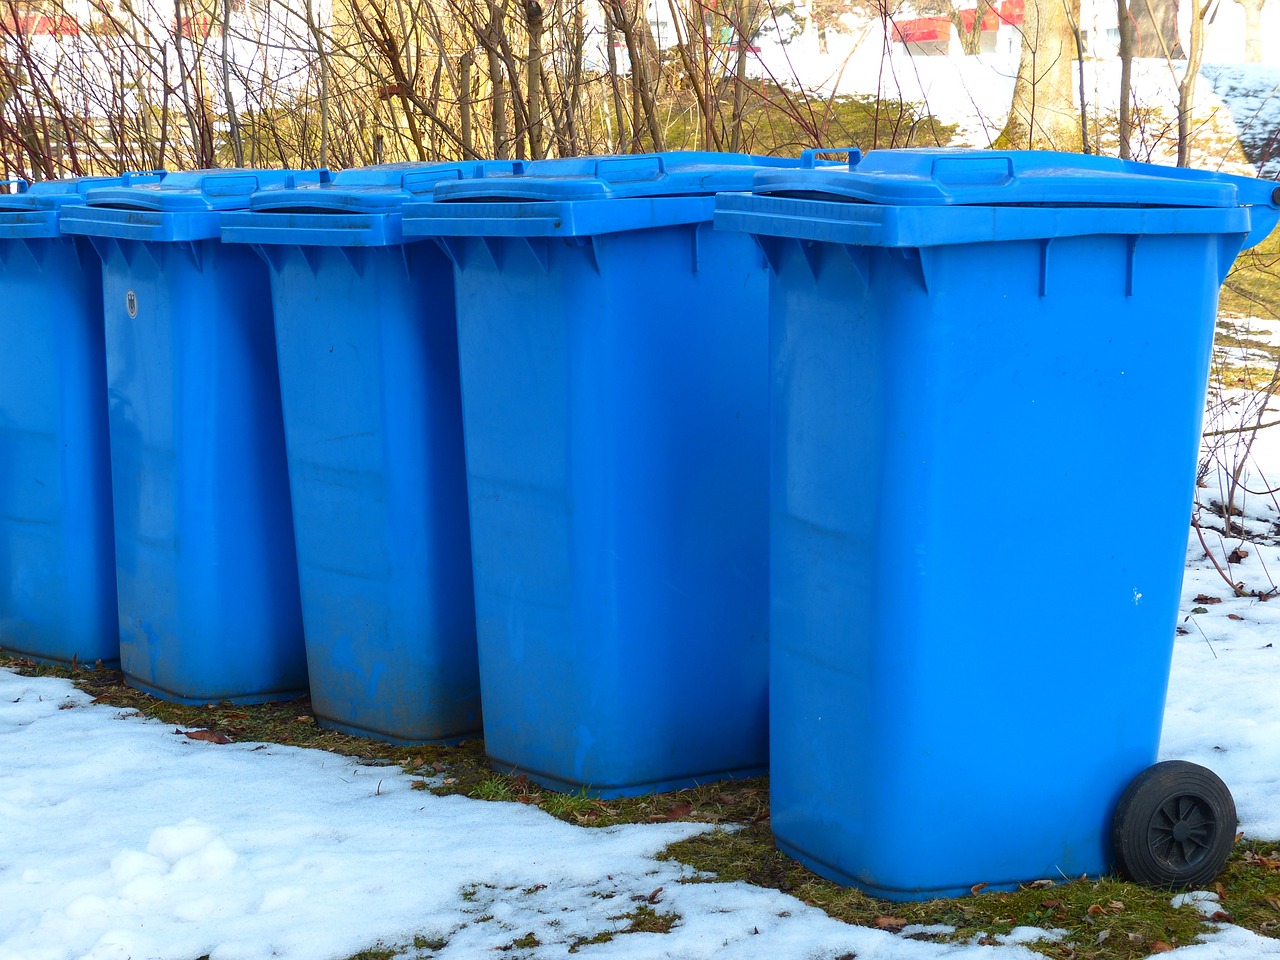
column 23, row 184
column 127, row 175
column 809, row 158
column 648, row 166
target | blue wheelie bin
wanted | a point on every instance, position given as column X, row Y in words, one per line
column 206, row 575
column 613, row 358
column 57, row 563
column 368, row 351
column 971, row 646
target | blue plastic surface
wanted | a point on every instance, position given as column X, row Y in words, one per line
column 57, row 566
column 653, row 175
column 33, row 209
column 966, row 668
column 368, row 353
column 184, row 206
column 207, row 577
column 614, row 401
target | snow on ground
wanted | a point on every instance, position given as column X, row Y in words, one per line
column 1252, row 91
column 122, row 840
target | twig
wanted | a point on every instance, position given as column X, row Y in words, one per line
column 1206, row 638
column 1195, row 523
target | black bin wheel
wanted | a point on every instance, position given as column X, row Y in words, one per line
column 1174, row 826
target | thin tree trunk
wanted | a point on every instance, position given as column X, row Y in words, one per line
column 233, row 121
column 1125, row 21
column 533, row 82
column 498, row 103
column 615, row 146
column 313, row 26
column 709, row 133
column 739, row 77
column 1073, row 16
column 464, row 105
column 1187, row 87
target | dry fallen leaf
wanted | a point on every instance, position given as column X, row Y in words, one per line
column 977, row 888
column 1161, row 947
column 892, row 924
column 209, row 736
column 1234, row 616
column 1206, row 599
column 673, row 813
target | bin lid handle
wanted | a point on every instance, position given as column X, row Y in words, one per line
column 649, row 166
column 809, row 158
column 21, row 182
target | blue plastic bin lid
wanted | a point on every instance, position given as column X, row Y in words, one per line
column 378, row 189
column 182, row 207
column 51, row 194
column 202, row 190
column 587, row 196
column 932, row 197
column 1015, row 177
column 677, row 174
column 360, row 207
column 34, row 210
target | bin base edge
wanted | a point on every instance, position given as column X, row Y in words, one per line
column 243, row 699
column 84, row 663
column 839, row 876
column 445, row 740
column 616, row 790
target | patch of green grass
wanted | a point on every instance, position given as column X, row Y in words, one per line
column 496, row 787
column 1252, row 288
column 568, row 806
column 1102, row 919
column 778, row 121
column 1251, row 887
column 376, row 953
column 604, row 936
column 643, row 919
column 527, row 942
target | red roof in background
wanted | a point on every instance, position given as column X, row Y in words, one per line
column 989, row 19
column 35, row 25
column 1011, row 11
column 194, row 28
column 921, row 30
column 925, row 29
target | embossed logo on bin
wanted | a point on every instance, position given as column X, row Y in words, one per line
column 131, row 304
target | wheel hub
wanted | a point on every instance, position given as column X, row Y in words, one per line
column 1180, row 831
